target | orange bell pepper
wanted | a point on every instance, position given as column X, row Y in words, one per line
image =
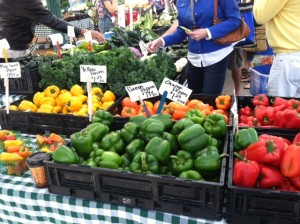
column 223, row 102
column 128, row 112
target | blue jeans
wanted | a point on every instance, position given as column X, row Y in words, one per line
column 105, row 24
column 207, row 80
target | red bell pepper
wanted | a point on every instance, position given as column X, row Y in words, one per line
column 246, row 120
column 265, row 151
column 241, row 156
column 269, row 177
column 247, row 111
column 261, row 99
column 278, row 101
column 277, row 118
column 293, row 104
column 265, row 115
column 295, row 181
column 296, row 140
column 290, row 161
column 279, row 141
column 289, row 119
column 287, row 186
column 245, row 173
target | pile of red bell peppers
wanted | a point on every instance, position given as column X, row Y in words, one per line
column 266, row 161
column 278, row 112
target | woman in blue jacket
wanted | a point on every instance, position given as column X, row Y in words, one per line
column 207, row 61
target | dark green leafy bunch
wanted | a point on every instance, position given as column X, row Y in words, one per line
column 123, row 69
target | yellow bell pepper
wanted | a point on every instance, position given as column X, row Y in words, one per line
column 96, row 99
column 5, row 133
column 65, row 110
column 96, row 107
column 106, row 105
column 76, row 90
column 13, row 107
column 37, row 98
column 74, row 104
column 46, row 107
column 8, row 143
column 44, row 110
column 10, row 157
column 63, row 99
column 52, row 91
column 97, row 91
column 56, row 109
column 108, row 96
column 84, row 99
column 82, row 112
column 48, row 100
column 27, row 105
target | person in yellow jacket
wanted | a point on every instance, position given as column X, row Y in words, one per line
column 281, row 18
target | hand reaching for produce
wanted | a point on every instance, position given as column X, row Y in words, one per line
column 198, row 34
column 154, row 45
column 95, row 35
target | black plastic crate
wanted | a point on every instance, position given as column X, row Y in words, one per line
column 202, row 199
column 27, row 84
column 261, row 206
column 116, row 108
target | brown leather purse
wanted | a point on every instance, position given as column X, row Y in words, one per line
column 234, row 36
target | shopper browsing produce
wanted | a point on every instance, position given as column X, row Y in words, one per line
column 17, row 19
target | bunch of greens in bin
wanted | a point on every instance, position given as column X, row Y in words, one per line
column 123, row 69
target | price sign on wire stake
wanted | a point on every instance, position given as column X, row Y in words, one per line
column 88, row 36
column 94, row 73
column 71, row 32
column 90, row 101
column 13, row 69
column 4, row 44
column 56, row 38
column 234, row 110
column 143, row 90
column 176, row 92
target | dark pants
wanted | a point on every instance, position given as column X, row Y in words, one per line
column 207, row 80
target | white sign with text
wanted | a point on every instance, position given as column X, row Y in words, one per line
column 176, row 92
column 56, row 38
column 13, row 70
column 143, row 90
column 93, row 73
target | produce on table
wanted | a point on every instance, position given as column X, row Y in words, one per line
column 144, row 145
column 54, row 100
column 277, row 112
column 268, row 162
column 49, row 143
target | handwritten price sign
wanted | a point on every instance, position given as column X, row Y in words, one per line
column 176, row 92
column 144, row 90
column 95, row 73
column 13, row 69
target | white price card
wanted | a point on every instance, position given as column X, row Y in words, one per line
column 3, row 72
column 13, row 69
column 176, row 92
column 56, row 38
column 4, row 44
column 143, row 90
column 93, row 73
column 88, row 36
column 71, row 32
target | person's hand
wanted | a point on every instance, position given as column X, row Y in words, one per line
column 154, row 45
column 98, row 36
column 197, row 34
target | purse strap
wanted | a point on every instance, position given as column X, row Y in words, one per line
column 216, row 19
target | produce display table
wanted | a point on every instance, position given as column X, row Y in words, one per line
column 42, row 31
column 22, row 202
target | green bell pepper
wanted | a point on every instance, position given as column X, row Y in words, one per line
column 104, row 117
column 208, row 162
column 193, row 138
column 215, row 124
column 113, row 142
column 129, row 131
column 110, row 160
column 144, row 163
column 196, row 116
column 82, row 142
column 159, row 148
column 182, row 161
column 97, row 130
column 172, row 140
column 151, row 128
column 244, row 137
column 65, row 154
column 126, row 161
column 180, row 125
column 134, row 147
column 166, row 119
column 138, row 119
column 191, row 174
